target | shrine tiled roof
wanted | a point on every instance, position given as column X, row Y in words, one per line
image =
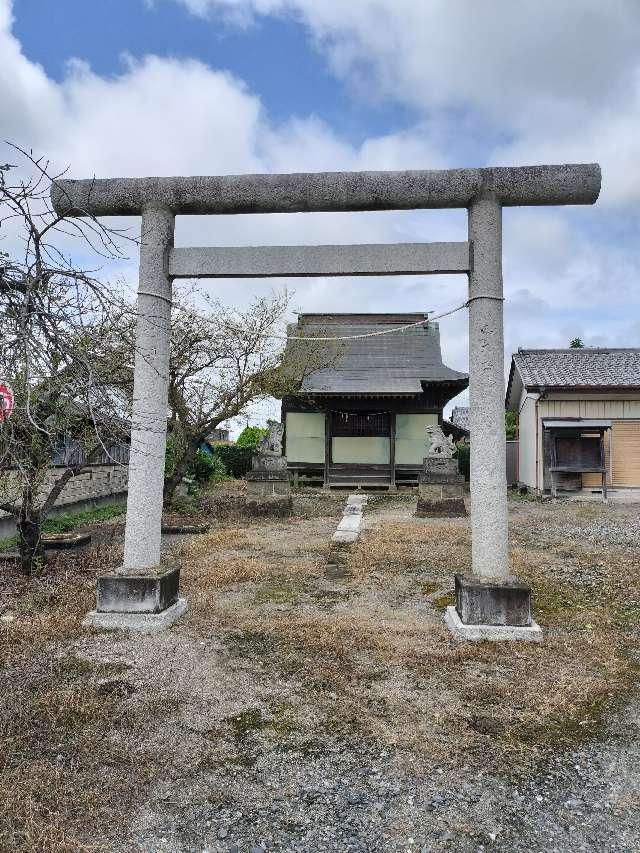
column 397, row 363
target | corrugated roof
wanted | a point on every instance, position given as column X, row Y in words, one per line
column 397, row 363
column 581, row 367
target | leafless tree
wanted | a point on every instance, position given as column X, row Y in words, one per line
column 53, row 316
column 222, row 361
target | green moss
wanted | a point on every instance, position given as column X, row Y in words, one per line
column 428, row 587
column 245, row 723
column 69, row 521
column 551, row 601
column 584, row 724
column 251, row 644
column 444, row 601
column 72, row 667
column 280, row 591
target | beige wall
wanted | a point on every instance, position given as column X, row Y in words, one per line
column 360, row 450
column 411, row 434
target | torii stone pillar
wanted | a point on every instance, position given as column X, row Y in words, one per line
column 151, row 383
column 490, row 604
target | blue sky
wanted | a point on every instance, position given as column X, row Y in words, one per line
column 134, row 87
column 263, row 55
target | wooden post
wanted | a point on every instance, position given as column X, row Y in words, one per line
column 392, row 451
column 327, row 447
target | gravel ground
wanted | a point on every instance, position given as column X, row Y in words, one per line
column 251, row 764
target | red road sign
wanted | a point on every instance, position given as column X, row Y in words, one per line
column 6, row 401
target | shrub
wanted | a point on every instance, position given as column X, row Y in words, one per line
column 236, row 459
column 208, row 468
column 464, row 451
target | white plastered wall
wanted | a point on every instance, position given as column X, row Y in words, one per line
column 527, row 439
column 305, row 437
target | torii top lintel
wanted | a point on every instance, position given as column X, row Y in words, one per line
column 329, row 191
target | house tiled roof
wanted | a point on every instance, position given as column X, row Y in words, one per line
column 396, row 363
column 460, row 417
column 582, row 367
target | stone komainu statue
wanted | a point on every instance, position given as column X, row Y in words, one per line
column 438, row 444
column 271, row 442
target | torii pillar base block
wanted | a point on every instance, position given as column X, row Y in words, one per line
column 491, row 610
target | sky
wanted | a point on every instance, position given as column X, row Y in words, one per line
column 187, row 87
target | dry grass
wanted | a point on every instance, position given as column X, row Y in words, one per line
column 399, row 546
column 221, row 539
column 395, row 673
column 364, row 659
column 66, row 761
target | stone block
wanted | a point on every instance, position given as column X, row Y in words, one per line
column 441, row 508
column 63, row 541
column 267, row 484
column 141, row 623
column 491, row 633
column 264, row 462
column 441, row 467
column 270, row 505
column 438, row 491
column 138, row 593
column 480, row 602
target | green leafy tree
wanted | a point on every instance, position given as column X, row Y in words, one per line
column 576, row 343
column 250, row 436
column 511, row 425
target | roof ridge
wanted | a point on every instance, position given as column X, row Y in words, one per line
column 522, row 351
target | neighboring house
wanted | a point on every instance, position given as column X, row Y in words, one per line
column 579, row 417
column 362, row 421
column 71, row 451
column 460, row 422
column 217, row 436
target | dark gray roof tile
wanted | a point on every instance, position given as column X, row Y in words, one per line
column 586, row 367
column 396, row 363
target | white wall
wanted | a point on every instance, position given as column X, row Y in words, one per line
column 305, row 437
column 527, row 439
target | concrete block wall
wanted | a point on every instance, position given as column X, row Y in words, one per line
column 101, row 485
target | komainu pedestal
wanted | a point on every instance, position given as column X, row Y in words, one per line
column 440, row 485
column 268, row 488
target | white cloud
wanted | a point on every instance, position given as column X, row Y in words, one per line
column 559, row 81
column 168, row 116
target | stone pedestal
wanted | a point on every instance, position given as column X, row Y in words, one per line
column 268, row 488
column 492, row 610
column 440, row 489
column 145, row 602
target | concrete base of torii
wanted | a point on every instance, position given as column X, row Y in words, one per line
column 490, row 633
column 145, row 602
column 492, row 610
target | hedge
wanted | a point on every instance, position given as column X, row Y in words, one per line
column 237, row 460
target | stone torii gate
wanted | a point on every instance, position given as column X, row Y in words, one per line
column 490, row 603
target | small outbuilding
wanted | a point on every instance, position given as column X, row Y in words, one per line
column 362, row 419
column 578, row 418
